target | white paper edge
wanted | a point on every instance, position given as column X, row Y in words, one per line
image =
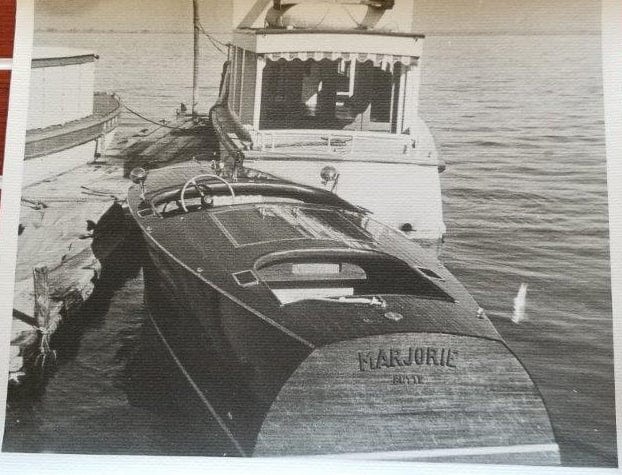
column 12, row 181
column 106, row 464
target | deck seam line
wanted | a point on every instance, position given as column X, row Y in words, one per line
column 227, row 294
column 446, row 452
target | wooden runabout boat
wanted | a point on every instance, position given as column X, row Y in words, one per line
column 306, row 327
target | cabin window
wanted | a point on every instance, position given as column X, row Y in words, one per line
column 282, row 91
column 325, row 94
column 380, row 111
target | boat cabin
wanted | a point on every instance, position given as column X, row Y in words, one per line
column 345, row 80
column 334, row 84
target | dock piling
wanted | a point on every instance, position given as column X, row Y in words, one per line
column 71, row 225
column 42, row 295
column 41, row 282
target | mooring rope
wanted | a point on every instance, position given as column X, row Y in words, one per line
column 162, row 123
column 213, row 40
column 356, row 22
column 215, row 43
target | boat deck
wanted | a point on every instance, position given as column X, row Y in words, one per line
column 177, row 141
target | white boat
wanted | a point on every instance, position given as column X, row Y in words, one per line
column 326, row 94
column 69, row 123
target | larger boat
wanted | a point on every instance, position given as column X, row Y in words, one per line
column 69, row 124
column 325, row 93
column 306, row 327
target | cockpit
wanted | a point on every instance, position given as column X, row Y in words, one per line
column 210, row 191
column 345, row 276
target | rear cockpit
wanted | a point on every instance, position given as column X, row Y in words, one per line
column 345, row 276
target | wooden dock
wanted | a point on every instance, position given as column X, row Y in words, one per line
column 71, row 223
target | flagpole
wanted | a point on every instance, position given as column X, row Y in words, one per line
column 195, row 66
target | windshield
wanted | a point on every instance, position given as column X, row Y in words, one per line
column 278, row 222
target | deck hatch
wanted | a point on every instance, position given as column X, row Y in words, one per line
column 430, row 273
column 245, row 278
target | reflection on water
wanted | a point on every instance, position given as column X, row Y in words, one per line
column 519, row 121
column 114, row 390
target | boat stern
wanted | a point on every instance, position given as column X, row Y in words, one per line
column 411, row 396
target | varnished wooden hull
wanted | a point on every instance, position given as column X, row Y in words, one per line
column 235, row 368
column 407, row 396
column 411, row 396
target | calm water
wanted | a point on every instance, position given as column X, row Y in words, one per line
column 519, row 121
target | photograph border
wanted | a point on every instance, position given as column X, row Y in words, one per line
column 611, row 41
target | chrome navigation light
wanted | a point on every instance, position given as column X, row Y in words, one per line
column 329, row 175
column 395, row 316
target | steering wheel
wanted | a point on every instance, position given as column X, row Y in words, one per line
column 193, row 182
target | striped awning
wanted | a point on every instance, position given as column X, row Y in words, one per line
column 385, row 61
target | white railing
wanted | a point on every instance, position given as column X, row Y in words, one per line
column 330, row 140
column 419, row 146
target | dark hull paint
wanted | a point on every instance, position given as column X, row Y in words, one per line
column 208, row 333
column 318, row 376
column 275, row 396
